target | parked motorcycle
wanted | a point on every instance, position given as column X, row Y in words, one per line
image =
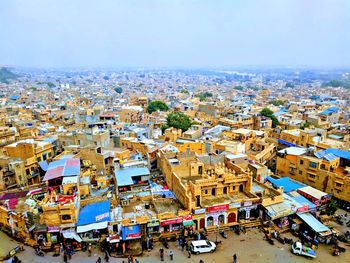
column 288, row 240
column 39, row 252
column 223, row 234
column 238, row 230
column 166, row 244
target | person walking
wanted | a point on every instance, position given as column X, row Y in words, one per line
column 65, row 257
column 188, row 254
column 106, row 257
column 234, row 258
column 201, row 261
column 171, row 255
column 161, row 253
column 99, row 260
column 90, row 250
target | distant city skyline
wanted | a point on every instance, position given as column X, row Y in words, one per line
column 175, row 33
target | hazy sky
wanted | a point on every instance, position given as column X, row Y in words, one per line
column 171, row 33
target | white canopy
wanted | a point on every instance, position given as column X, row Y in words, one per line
column 72, row 235
column 94, row 226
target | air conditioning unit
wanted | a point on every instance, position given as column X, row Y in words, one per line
column 133, row 221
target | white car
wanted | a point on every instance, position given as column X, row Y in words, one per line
column 202, row 246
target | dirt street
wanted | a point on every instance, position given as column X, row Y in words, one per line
column 249, row 247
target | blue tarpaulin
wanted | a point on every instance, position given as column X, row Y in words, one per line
column 286, row 143
column 312, row 222
column 339, row 153
column 285, row 182
column 94, row 213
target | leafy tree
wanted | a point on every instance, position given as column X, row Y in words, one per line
column 207, row 94
column 178, row 120
column 50, row 84
column 269, row 114
column 238, row 88
column 276, row 102
column 289, row 85
column 331, row 208
column 305, row 125
column 201, row 97
column 157, row 105
column 184, row 91
column 118, row 90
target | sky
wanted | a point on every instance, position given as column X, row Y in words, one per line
column 174, row 33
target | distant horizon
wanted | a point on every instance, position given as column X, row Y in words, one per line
column 175, row 34
column 223, row 68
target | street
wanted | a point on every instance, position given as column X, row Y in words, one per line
column 249, row 247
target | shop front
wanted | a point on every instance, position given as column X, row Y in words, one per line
column 113, row 238
column 248, row 211
column 54, row 234
column 199, row 218
column 171, row 226
column 279, row 213
column 93, row 221
column 153, row 227
column 131, row 240
column 216, row 215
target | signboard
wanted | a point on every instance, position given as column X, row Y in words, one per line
column 131, row 232
column 171, row 222
column 133, row 235
column 217, row 208
column 102, row 216
column 53, row 229
column 153, row 223
column 199, row 211
column 235, row 205
column 188, row 217
column 305, row 208
column 248, row 203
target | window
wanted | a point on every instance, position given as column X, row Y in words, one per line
column 49, row 154
column 233, row 188
column 300, row 172
column 323, row 166
column 66, row 217
column 301, row 162
column 200, row 169
column 28, row 171
column 313, row 165
column 338, row 185
column 312, row 176
column 206, row 192
column 225, row 190
column 38, row 159
column 213, row 191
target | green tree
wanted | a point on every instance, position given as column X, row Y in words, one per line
column 184, row 91
column 50, row 84
column 305, row 125
column 118, row 90
column 289, row 85
column 178, row 120
column 276, row 102
column 238, row 88
column 157, row 105
column 207, row 94
column 269, row 114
